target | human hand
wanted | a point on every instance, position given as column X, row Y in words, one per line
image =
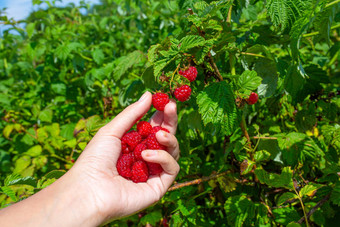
column 111, row 195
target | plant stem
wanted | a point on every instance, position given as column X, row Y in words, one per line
column 244, row 130
column 303, row 207
column 252, row 54
column 264, row 138
column 232, row 64
column 316, row 33
column 332, row 3
column 213, row 65
column 197, row 181
column 319, row 204
column 229, row 13
column 172, row 76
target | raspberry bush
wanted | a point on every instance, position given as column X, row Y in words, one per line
column 257, row 89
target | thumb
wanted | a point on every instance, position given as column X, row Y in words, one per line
column 128, row 117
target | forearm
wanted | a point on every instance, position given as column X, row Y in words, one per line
column 63, row 203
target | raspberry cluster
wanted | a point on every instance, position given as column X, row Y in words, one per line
column 130, row 164
column 182, row 93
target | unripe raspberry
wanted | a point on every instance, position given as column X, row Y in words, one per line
column 182, row 93
column 253, row 97
column 139, row 172
column 159, row 101
column 190, row 73
column 144, row 128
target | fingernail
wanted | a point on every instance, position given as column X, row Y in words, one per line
column 162, row 133
column 143, row 97
column 150, row 153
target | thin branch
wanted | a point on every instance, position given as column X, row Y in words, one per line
column 317, row 33
column 332, row 3
column 197, row 181
column 264, row 138
column 319, row 204
column 212, row 63
column 252, row 54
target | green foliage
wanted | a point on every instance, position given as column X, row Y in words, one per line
column 65, row 72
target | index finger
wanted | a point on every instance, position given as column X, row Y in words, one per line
column 167, row 119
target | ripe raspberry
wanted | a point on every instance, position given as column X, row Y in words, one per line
column 154, row 168
column 139, row 172
column 138, row 151
column 159, row 100
column 130, row 140
column 124, row 165
column 152, row 143
column 253, row 97
column 144, row 128
column 157, row 128
column 190, row 73
column 183, row 93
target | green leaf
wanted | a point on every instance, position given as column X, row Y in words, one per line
column 34, row 151
column 335, row 196
column 152, row 53
column 16, row 179
column 308, row 190
column 67, row 131
column 98, row 56
column 217, row 107
column 30, row 29
column 9, row 192
column 266, row 69
column 7, row 130
column 62, row 51
column 54, row 174
column 285, row 215
column 285, row 197
column 262, row 156
column 191, row 41
column 188, row 207
column 126, row 62
column 285, row 179
column 240, row 211
column 151, row 218
column 249, row 80
column 46, row 115
column 149, row 79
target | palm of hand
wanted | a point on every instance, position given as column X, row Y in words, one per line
column 112, row 195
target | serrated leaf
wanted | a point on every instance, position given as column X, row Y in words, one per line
column 335, row 196
column 98, row 56
column 152, row 53
column 240, row 211
column 62, row 51
column 285, row 179
column 261, row 156
column 249, row 80
column 187, row 208
column 286, row 215
column 191, row 41
column 55, row 174
column 227, row 183
column 152, row 218
column 16, row 179
column 266, row 69
column 149, row 79
column 34, row 151
column 217, row 107
column 9, row 192
column 285, row 197
column 308, row 190
column 46, row 115
column 126, row 62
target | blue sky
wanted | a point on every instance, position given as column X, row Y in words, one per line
column 19, row 9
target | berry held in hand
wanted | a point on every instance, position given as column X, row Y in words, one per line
column 190, row 73
column 159, row 100
column 182, row 93
column 131, row 164
column 253, row 97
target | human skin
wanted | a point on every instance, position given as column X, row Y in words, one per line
column 92, row 193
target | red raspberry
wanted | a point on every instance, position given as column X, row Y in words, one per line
column 159, row 100
column 138, row 151
column 139, row 172
column 144, row 128
column 183, row 93
column 154, row 168
column 124, row 165
column 130, row 140
column 253, row 97
column 153, row 144
column 157, row 128
column 190, row 73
